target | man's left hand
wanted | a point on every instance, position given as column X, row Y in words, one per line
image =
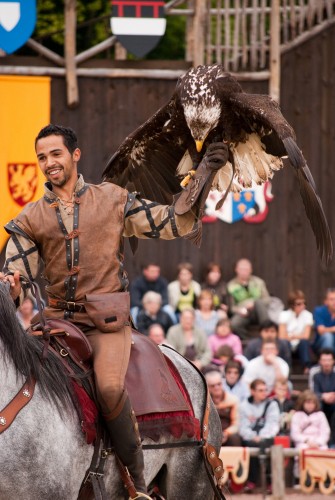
column 15, row 284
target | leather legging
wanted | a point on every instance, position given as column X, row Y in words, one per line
column 111, row 353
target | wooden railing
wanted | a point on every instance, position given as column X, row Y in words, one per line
column 239, row 32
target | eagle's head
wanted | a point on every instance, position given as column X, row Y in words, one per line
column 201, row 91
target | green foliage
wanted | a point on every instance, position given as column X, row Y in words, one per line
column 93, row 26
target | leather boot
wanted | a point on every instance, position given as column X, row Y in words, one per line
column 126, row 440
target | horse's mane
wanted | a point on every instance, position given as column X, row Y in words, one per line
column 25, row 352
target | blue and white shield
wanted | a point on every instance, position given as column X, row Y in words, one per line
column 17, row 23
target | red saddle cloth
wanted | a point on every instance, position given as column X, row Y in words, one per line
column 158, row 395
column 157, row 392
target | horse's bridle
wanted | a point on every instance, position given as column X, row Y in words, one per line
column 19, row 401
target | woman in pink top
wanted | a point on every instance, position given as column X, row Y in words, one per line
column 224, row 336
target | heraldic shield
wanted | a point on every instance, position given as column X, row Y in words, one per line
column 17, row 23
column 138, row 24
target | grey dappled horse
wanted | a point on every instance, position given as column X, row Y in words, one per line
column 43, row 454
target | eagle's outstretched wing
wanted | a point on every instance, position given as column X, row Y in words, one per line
column 147, row 159
column 262, row 115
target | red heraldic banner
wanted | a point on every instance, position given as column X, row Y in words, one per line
column 138, row 24
column 24, row 110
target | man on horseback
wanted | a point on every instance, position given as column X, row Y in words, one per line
column 77, row 230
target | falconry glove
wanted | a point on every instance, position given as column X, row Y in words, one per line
column 196, row 192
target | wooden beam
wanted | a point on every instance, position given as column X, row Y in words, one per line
column 43, row 51
column 96, row 49
column 70, row 53
column 199, row 31
column 277, row 473
column 274, row 82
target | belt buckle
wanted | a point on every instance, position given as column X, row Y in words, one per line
column 71, row 306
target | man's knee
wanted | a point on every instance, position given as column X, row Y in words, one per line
column 109, row 396
column 327, row 340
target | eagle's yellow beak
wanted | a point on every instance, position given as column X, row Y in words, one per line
column 199, row 145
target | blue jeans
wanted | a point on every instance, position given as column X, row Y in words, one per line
column 327, row 340
column 303, row 353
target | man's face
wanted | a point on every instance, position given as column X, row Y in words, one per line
column 269, row 333
column 215, row 386
column 330, row 301
column 156, row 334
column 326, row 362
column 259, row 394
column 152, row 306
column 151, row 273
column 55, row 160
column 269, row 351
column 243, row 270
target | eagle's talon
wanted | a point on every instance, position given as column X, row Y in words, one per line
column 187, row 178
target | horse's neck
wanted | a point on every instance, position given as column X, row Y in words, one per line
column 10, row 381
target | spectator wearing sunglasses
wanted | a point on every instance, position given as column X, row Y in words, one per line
column 295, row 326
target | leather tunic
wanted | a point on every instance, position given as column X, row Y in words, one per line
column 88, row 260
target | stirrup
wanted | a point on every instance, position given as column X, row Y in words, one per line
column 140, row 495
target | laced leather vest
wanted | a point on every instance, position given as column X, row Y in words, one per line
column 89, row 259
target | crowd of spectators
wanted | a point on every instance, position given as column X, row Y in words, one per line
column 243, row 340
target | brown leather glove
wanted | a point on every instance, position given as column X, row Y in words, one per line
column 197, row 190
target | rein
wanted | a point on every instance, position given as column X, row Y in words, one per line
column 19, row 401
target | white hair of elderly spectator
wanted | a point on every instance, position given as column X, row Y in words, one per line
column 152, row 297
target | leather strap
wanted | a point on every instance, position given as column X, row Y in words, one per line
column 66, row 306
column 22, row 398
column 126, row 478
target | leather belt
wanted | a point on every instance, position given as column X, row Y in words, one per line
column 66, row 306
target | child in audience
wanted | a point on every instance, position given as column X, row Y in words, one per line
column 309, row 425
column 232, row 382
column 224, row 336
column 285, row 403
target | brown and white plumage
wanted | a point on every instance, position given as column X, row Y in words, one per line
column 208, row 106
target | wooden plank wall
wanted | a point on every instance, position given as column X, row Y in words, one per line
column 282, row 248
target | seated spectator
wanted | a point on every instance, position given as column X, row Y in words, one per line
column 206, row 317
column 295, row 326
column 268, row 331
column 227, row 408
column 248, row 299
column 213, row 281
column 259, row 424
column 323, row 385
column 224, row 354
column 309, row 426
column 285, row 403
column 26, row 312
column 152, row 313
column 189, row 341
column 156, row 334
column 324, row 320
column 149, row 281
column 233, row 383
column 224, row 336
column 184, row 291
column 268, row 366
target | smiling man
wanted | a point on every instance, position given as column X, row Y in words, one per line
column 77, row 229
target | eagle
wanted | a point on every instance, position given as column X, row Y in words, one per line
column 209, row 105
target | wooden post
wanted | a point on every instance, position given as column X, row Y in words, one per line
column 200, row 22
column 70, row 53
column 277, row 473
column 274, row 83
